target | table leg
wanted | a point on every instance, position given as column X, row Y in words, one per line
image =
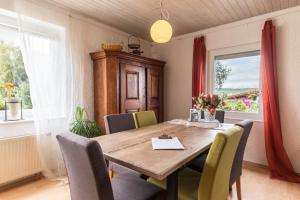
column 172, row 186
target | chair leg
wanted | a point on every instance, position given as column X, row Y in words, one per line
column 111, row 173
column 238, row 188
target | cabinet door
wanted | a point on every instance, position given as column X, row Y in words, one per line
column 132, row 88
column 155, row 91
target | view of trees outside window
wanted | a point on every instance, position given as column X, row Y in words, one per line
column 237, row 81
column 13, row 71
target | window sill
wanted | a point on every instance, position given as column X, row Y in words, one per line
column 27, row 118
column 243, row 118
column 9, row 129
column 238, row 116
column 16, row 122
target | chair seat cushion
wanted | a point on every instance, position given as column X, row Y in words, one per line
column 188, row 184
column 128, row 187
column 198, row 163
column 119, row 169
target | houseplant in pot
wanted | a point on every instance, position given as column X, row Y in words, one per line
column 83, row 126
column 209, row 103
column 12, row 103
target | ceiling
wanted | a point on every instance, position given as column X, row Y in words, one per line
column 136, row 16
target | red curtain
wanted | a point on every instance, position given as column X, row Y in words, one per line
column 199, row 59
column 279, row 163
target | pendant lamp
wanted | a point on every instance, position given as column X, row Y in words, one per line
column 161, row 31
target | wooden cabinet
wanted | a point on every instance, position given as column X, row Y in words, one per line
column 155, row 91
column 126, row 83
column 132, row 88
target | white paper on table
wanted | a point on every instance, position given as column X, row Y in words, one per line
column 166, row 144
column 224, row 126
column 178, row 121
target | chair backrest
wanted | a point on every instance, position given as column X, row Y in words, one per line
column 86, row 168
column 144, row 118
column 236, row 170
column 214, row 183
column 220, row 115
column 119, row 122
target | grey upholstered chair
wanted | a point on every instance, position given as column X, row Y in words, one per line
column 236, row 170
column 88, row 174
column 116, row 123
column 119, row 122
column 220, row 115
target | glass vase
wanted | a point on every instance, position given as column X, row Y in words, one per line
column 208, row 116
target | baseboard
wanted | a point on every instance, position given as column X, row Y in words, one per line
column 251, row 165
column 20, row 181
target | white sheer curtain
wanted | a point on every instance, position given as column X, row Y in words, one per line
column 55, row 85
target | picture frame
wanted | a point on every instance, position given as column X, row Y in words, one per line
column 195, row 115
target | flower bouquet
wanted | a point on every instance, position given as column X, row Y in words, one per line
column 13, row 105
column 209, row 104
column 9, row 89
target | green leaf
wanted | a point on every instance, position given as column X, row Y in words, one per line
column 86, row 128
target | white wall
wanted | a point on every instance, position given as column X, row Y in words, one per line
column 178, row 74
column 94, row 34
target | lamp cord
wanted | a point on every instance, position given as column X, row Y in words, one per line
column 164, row 13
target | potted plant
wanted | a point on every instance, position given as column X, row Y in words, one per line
column 209, row 104
column 85, row 127
column 12, row 103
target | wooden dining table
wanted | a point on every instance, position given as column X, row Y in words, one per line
column 133, row 149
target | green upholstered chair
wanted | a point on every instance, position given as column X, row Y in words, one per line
column 213, row 183
column 144, row 118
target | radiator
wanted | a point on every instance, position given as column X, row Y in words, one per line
column 18, row 158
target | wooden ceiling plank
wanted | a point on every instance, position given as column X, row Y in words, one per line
column 235, row 6
column 204, row 13
column 230, row 10
column 180, row 10
column 276, row 5
column 252, row 7
column 260, row 6
column 284, row 4
column 124, row 22
column 219, row 7
column 211, row 7
column 136, row 16
column 121, row 10
column 245, row 8
column 292, row 3
column 268, row 7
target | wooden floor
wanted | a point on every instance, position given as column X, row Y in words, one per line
column 255, row 181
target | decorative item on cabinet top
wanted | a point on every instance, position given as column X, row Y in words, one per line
column 112, row 47
column 134, row 45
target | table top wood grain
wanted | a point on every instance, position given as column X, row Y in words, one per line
column 133, row 148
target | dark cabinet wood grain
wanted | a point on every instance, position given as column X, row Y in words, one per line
column 155, row 91
column 126, row 83
column 132, row 88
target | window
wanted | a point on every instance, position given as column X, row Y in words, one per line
column 237, row 80
column 12, row 69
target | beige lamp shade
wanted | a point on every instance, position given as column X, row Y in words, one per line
column 161, row 31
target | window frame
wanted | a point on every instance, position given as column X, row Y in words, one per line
column 212, row 54
column 8, row 20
